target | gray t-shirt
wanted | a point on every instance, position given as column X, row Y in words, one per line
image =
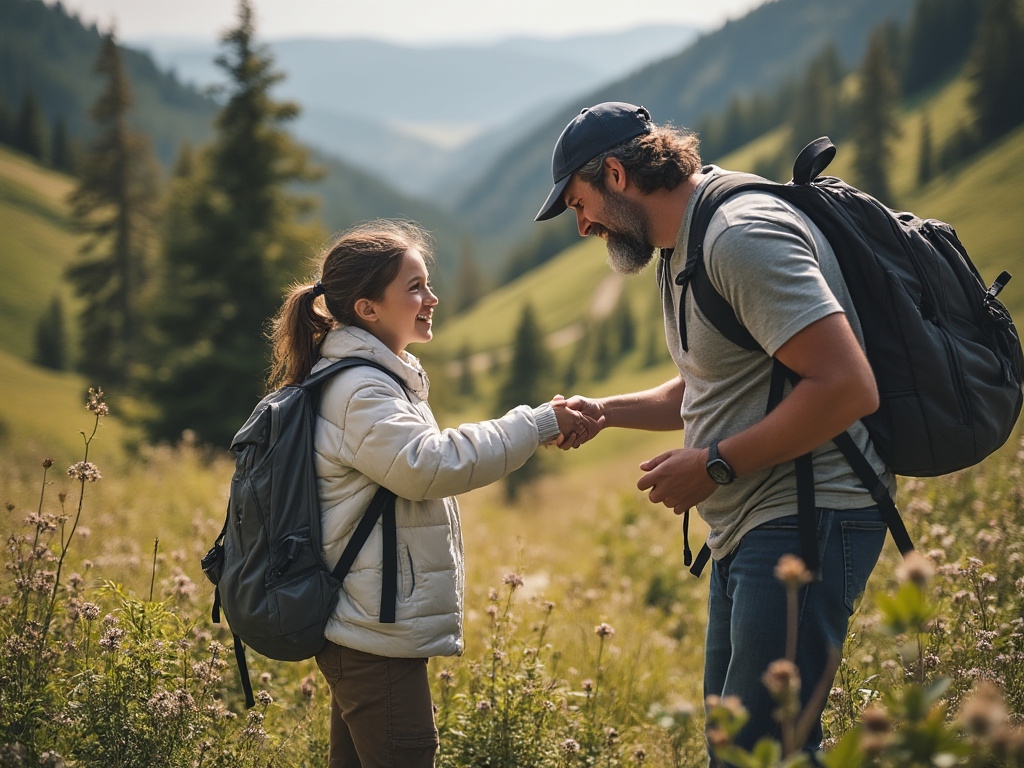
column 780, row 275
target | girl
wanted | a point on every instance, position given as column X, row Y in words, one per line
column 376, row 299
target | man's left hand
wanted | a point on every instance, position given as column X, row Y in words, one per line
column 677, row 478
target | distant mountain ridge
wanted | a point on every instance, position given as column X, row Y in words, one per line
column 405, row 112
column 754, row 53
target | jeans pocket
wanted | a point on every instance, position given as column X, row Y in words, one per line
column 862, row 544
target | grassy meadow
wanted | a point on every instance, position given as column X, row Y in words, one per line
column 584, row 631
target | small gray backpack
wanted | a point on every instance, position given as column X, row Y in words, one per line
column 267, row 564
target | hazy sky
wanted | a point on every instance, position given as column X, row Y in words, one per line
column 401, row 20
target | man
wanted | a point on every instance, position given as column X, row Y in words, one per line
column 636, row 185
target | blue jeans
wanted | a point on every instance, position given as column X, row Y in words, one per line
column 747, row 611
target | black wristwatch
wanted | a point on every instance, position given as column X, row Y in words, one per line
column 718, row 468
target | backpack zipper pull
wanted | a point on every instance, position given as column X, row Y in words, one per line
column 999, row 284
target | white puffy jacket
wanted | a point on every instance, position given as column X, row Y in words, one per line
column 371, row 432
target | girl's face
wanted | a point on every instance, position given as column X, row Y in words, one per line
column 404, row 313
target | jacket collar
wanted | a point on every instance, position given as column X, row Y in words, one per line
column 352, row 341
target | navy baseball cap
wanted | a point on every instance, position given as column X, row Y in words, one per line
column 593, row 131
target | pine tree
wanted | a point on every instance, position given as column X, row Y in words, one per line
column 525, row 382
column 996, row 70
column 115, row 203
column 625, row 325
column 62, row 148
column 30, row 134
column 875, row 119
column 469, row 285
column 467, row 383
column 816, row 109
column 938, row 39
column 51, row 340
column 926, row 154
column 234, row 240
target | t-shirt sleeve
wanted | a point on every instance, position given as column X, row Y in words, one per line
column 761, row 258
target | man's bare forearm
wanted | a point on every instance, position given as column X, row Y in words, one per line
column 657, row 409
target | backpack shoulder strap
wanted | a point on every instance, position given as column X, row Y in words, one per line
column 812, row 160
column 714, row 306
column 318, row 378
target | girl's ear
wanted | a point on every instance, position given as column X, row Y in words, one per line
column 366, row 310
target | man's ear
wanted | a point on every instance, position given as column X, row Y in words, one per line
column 366, row 310
column 614, row 174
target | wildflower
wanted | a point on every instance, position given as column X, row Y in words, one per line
column 492, row 611
column 513, row 580
column 604, row 630
column 47, row 463
column 916, row 569
column 112, row 638
column 75, row 580
column 308, row 687
column 492, row 595
column 84, row 470
column 570, row 746
column 446, row 676
column 876, row 719
column 265, row 678
column 985, row 711
column 587, row 685
column 611, row 735
column 639, row 754
column 717, row 737
column 264, row 698
column 90, row 611
column 483, row 706
column 96, row 403
column 792, row 571
column 781, row 678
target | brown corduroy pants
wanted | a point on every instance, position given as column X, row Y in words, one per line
column 381, row 713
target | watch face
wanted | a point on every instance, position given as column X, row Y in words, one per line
column 720, row 472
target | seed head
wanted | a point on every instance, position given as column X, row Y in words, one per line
column 513, row 580
column 792, row 571
column 781, row 678
column 915, row 568
column 84, row 470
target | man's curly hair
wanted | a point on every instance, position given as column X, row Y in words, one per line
column 661, row 159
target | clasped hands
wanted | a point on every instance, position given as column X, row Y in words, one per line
column 677, row 478
column 577, row 422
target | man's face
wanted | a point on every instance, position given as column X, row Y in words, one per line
column 616, row 218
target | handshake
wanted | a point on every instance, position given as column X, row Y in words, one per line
column 579, row 420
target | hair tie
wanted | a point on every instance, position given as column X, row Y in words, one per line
column 318, row 289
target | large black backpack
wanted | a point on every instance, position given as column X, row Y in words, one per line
column 945, row 353
column 272, row 583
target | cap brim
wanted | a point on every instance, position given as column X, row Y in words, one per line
column 555, row 203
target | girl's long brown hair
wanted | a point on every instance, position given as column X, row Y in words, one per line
column 359, row 264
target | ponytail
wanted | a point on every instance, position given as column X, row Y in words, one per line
column 296, row 333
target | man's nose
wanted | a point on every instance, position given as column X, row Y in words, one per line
column 583, row 223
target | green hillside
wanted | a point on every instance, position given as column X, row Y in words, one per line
column 753, row 54
column 981, row 200
column 569, row 293
column 38, row 242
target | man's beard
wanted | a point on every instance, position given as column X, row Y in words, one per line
column 627, row 234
